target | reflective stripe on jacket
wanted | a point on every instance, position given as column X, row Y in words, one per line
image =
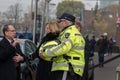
column 47, row 45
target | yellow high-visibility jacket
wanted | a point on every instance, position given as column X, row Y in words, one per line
column 72, row 45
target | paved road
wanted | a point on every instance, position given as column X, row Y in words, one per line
column 108, row 72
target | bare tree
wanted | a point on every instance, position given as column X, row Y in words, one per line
column 14, row 13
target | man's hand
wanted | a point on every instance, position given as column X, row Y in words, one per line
column 15, row 42
column 18, row 58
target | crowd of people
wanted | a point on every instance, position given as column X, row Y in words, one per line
column 63, row 52
column 103, row 46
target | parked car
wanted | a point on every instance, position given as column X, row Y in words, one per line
column 28, row 68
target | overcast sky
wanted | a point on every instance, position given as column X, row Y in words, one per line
column 4, row 4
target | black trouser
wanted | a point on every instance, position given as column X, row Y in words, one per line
column 44, row 70
column 101, row 57
column 58, row 75
column 18, row 72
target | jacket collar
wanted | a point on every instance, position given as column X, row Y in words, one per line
column 66, row 27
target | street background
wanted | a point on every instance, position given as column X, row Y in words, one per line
column 108, row 72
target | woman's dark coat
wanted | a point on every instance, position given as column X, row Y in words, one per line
column 44, row 67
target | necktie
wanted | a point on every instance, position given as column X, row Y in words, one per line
column 12, row 41
column 16, row 63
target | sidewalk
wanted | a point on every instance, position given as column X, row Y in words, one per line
column 108, row 72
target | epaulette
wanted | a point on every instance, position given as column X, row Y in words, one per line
column 78, row 35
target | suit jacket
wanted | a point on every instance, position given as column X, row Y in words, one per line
column 18, row 50
column 18, row 68
column 7, row 65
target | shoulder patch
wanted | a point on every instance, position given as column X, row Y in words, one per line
column 78, row 35
column 67, row 35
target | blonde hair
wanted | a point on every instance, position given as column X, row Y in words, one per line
column 53, row 27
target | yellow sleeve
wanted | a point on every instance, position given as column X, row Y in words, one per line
column 60, row 49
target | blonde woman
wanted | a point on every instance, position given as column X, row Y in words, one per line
column 44, row 66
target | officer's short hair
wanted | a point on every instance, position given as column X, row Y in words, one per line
column 70, row 23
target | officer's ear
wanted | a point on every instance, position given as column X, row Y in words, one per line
column 66, row 22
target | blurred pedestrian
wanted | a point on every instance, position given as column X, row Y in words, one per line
column 69, row 62
column 92, row 46
column 10, row 55
column 106, row 42
column 87, row 45
column 110, row 46
column 102, row 45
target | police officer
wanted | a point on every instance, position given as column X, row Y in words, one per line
column 69, row 62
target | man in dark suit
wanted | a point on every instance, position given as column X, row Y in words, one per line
column 10, row 54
